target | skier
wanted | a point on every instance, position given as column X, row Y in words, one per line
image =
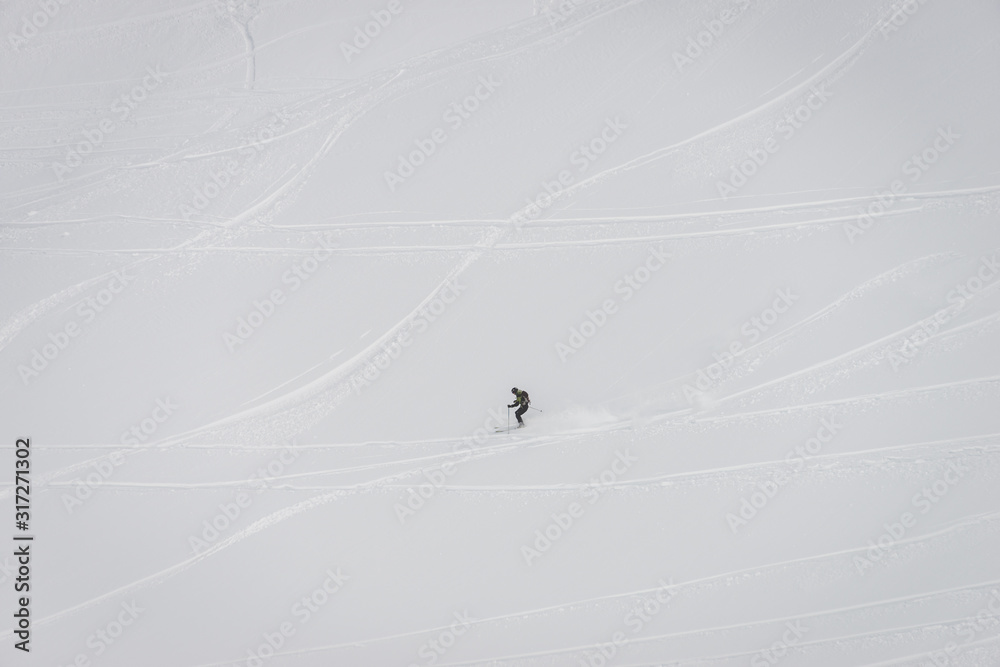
column 520, row 398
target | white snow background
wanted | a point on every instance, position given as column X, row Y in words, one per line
column 267, row 279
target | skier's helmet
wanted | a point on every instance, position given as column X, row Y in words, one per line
column 514, row 390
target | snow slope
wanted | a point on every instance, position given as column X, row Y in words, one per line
column 268, row 281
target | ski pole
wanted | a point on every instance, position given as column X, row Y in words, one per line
column 508, row 419
column 529, row 407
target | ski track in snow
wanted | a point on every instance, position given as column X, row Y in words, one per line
column 334, row 111
column 991, row 444
column 702, row 582
column 316, row 501
column 864, row 401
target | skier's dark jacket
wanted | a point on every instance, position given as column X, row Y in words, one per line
column 520, row 399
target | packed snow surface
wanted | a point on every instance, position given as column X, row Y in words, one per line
column 271, row 267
